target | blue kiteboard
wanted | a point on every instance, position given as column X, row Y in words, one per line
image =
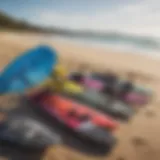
column 28, row 70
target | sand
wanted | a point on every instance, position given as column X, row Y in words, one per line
column 138, row 139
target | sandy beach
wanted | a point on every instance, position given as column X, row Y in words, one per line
column 138, row 139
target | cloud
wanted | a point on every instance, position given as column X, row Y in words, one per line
column 138, row 18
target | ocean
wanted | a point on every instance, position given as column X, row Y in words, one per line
column 149, row 46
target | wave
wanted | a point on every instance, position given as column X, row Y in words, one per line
column 118, row 41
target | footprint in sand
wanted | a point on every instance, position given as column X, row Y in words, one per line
column 137, row 141
column 120, row 158
column 150, row 113
column 143, row 150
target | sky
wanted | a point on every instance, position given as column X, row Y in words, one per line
column 129, row 16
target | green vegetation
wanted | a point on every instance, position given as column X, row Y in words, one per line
column 8, row 22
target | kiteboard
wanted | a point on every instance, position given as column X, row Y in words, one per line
column 28, row 70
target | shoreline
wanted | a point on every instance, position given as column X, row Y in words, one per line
column 154, row 54
column 46, row 37
column 84, row 54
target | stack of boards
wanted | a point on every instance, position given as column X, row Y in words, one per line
column 50, row 118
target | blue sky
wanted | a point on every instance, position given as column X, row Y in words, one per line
column 25, row 8
column 133, row 16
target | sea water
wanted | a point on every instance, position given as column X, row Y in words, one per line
column 148, row 46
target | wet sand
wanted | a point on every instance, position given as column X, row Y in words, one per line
column 138, row 139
